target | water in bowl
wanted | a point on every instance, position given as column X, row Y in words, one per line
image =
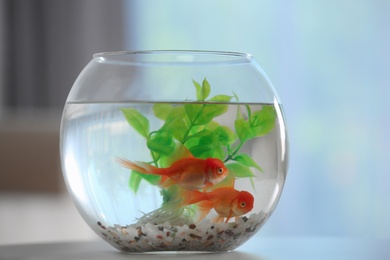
column 138, row 211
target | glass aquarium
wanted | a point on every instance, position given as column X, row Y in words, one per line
column 174, row 150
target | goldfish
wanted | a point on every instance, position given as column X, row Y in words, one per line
column 189, row 173
column 227, row 202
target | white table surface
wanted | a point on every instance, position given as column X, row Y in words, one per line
column 257, row 248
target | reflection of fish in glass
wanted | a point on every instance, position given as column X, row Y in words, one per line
column 189, row 173
column 227, row 202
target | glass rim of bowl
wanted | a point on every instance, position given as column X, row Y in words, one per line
column 172, row 57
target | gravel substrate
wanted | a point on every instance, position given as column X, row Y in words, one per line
column 203, row 236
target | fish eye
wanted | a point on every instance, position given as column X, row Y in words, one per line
column 243, row 204
column 219, row 170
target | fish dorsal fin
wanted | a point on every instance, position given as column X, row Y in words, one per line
column 228, row 182
column 180, row 152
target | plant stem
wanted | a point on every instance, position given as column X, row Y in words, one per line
column 234, row 153
column 155, row 160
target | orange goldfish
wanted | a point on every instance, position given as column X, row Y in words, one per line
column 189, row 173
column 227, row 202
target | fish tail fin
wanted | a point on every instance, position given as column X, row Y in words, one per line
column 166, row 182
column 141, row 167
column 201, row 201
column 192, row 197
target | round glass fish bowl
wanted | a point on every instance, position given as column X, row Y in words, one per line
column 174, row 150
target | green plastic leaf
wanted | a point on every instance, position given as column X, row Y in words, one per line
column 219, row 152
column 260, row 123
column 248, row 110
column 162, row 110
column 212, row 125
column 195, row 129
column 247, row 161
column 138, row 121
column 263, row 121
column 135, row 181
column 151, row 178
column 209, row 112
column 205, row 89
column 202, row 151
column 221, row 98
column 175, row 123
column 205, row 144
column 225, row 135
column 177, row 128
column 136, row 178
column 193, row 111
column 235, row 95
column 239, row 114
column 207, row 139
column 171, row 195
column 203, row 133
column 243, row 130
column 239, row 170
column 174, row 113
column 198, row 90
column 161, row 142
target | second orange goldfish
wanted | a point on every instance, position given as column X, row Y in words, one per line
column 227, row 202
column 189, row 173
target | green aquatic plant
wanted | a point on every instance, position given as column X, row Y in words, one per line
column 190, row 127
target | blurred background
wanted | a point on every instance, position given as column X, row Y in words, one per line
column 328, row 60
